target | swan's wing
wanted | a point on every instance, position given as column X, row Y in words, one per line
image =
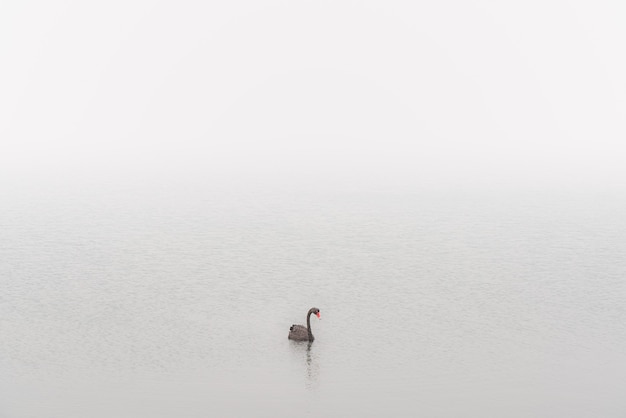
column 298, row 328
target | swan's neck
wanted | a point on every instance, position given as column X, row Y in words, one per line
column 308, row 325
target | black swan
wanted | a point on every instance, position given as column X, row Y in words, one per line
column 302, row 333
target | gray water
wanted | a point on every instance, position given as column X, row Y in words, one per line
column 176, row 302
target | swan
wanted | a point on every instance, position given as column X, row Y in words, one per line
column 302, row 333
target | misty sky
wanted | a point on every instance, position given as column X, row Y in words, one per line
column 315, row 93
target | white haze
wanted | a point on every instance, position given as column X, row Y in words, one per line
column 346, row 94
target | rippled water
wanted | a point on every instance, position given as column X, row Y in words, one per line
column 178, row 303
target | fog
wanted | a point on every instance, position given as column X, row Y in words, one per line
column 314, row 94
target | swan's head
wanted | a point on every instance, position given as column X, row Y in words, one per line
column 316, row 312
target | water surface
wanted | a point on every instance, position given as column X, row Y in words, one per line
column 177, row 302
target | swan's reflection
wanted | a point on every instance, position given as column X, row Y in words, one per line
column 312, row 368
column 311, row 360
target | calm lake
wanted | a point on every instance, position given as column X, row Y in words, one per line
column 177, row 302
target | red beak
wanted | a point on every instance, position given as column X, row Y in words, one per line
column 319, row 315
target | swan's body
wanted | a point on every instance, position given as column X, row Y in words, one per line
column 302, row 333
column 299, row 333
